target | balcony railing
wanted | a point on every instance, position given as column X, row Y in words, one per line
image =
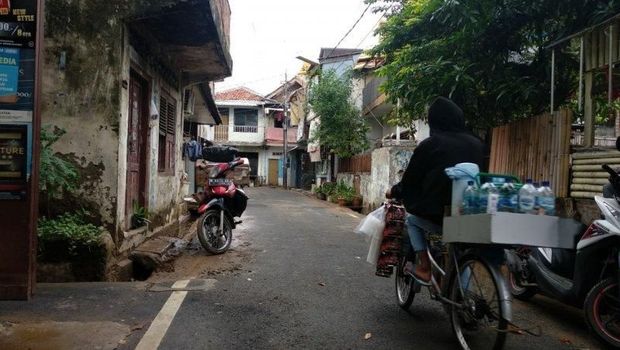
column 220, row 133
column 276, row 135
column 245, row 129
column 250, row 134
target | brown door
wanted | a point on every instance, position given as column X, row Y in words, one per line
column 136, row 146
column 273, row 172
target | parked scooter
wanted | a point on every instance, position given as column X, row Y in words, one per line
column 586, row 276
column 218, row 206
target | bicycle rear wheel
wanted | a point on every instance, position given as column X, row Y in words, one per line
column 405, row 285
column 479, row 323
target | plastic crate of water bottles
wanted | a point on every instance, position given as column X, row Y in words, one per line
column 498, row 209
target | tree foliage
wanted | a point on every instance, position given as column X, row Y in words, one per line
column 341, row 128
column 487, row 55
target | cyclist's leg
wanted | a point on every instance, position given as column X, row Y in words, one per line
column 417, row 228
column 417, row 236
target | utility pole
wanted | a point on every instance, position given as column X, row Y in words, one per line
column 285, row 131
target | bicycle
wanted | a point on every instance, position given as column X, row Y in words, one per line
column 466, row 279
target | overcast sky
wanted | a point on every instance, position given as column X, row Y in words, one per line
column 267, row 35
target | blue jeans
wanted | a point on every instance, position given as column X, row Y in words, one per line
column 417, row 228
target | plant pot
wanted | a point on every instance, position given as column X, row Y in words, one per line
column 321, row 196
column 342, row 202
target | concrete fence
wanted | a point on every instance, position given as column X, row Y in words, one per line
column 388, row 164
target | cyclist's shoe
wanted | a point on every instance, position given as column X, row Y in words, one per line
column 410, row 270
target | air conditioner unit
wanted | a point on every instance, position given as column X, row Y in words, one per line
column 188, row 102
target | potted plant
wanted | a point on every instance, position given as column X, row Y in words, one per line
column 345, row 194
column 140, row 216
column 320, row 194
column 329, row 189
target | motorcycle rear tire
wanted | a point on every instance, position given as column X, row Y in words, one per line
column 202, row 234
column 593, row 319
column 520, row 292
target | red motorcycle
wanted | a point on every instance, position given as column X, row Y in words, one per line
column 218, row 206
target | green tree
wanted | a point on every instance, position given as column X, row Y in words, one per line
column 487, row 55
column 341, row 128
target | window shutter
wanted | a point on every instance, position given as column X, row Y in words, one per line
column 167, row 133
column 163, row 115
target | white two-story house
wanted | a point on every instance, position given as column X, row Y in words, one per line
column 253, row 125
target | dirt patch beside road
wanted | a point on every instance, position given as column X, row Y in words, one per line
column 194, row 262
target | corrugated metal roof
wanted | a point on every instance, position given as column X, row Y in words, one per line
column 330, row 53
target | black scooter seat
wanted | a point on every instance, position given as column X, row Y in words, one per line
column 549, row 282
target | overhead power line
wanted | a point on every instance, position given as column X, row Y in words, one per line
column 350, row 30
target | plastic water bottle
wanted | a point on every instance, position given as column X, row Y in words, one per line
column 546, row 199
column 536, row 204
column 508, row 198
column 527, row 198
column 470, row 199
column 488, row 198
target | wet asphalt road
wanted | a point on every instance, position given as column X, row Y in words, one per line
column 295, row 278
column 307, row 285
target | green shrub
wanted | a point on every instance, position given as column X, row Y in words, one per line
column 329, row 188
column 64, row 237
column 344, row 191
column 57, row 175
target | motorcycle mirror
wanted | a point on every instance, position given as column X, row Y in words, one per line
column 609, row 170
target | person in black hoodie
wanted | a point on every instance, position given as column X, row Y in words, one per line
column 425, row 189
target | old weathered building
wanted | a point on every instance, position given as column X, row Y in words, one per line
column 122, row 77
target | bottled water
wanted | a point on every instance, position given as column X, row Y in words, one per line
column 488, row 198
column 470, row 199
column 546, row 199
column 508, row 198
column 536, row 204
column 527, row 198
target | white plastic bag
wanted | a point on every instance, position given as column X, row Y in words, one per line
column 372, row 228
column 373, row 224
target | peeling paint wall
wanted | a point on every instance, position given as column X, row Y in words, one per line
column 80, row 93
column 85, row 75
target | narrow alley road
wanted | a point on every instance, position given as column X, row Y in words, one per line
column 296, row 277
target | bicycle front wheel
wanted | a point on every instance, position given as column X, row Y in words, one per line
column 478, row 323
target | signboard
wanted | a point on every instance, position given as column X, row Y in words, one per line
column 17, row 83
column 13, row 161
column 21, row 31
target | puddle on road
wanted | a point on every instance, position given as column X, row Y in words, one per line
column 62, row 335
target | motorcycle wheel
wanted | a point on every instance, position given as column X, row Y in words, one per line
column 405, row 285
column 517, row 290
column 602, row 312
column 210, row 238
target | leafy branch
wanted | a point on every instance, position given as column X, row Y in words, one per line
column 341, row 128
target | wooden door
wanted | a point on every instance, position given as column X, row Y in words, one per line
column 273, row 172
column 136, row 146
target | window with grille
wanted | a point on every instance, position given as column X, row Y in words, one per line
column 167, row 133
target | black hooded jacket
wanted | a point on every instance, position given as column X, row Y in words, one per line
column 425, row 188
